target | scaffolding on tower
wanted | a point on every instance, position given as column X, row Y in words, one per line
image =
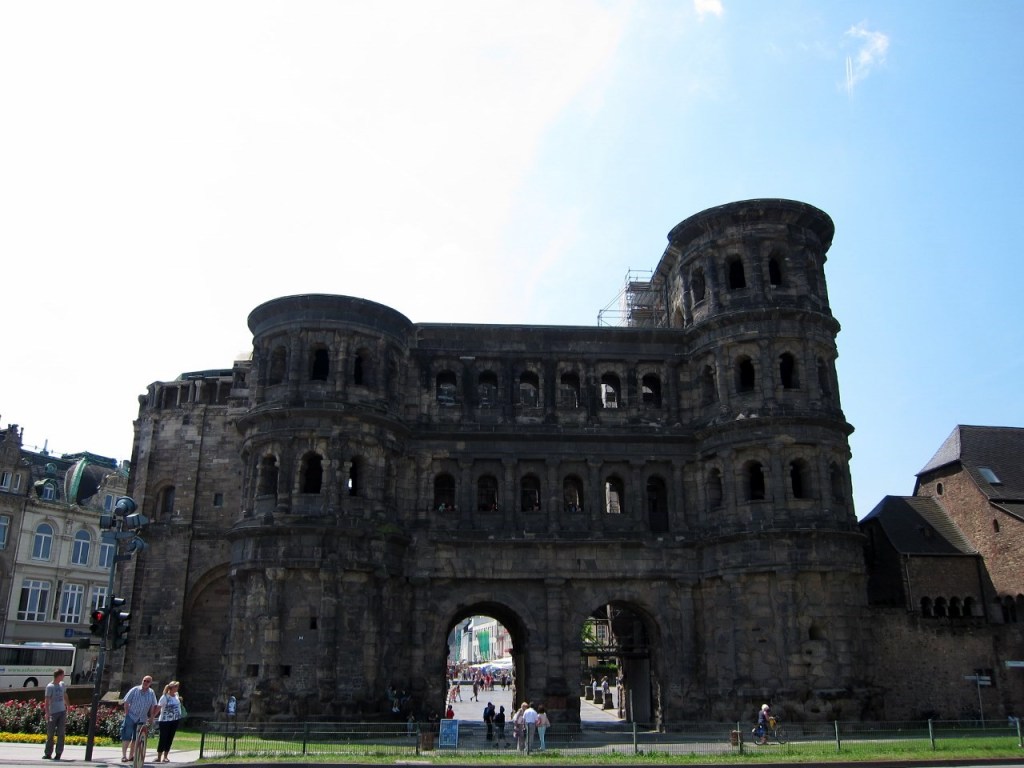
column 639, row 304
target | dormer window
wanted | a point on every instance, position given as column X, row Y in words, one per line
column 990, row 477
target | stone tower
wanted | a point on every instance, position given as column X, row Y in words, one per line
column 365, row 483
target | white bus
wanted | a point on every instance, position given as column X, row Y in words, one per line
column 30, row 665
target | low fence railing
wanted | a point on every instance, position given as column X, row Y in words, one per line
column 242, row 739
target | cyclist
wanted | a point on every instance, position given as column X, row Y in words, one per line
column 763, row 725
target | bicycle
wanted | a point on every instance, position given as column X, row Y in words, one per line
column 141, row 735
column 774, row 730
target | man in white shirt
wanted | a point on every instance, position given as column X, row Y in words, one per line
column 530, row 718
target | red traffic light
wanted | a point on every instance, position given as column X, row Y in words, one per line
column 99, row 622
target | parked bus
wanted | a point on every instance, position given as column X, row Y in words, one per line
column 30, row 665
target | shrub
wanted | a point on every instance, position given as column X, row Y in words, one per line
column 26, row 717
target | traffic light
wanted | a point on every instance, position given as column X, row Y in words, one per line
column 99, row 618
column 122, row 622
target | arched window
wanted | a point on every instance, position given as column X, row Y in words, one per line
column 755, row 481
column 444, row 492
column 714, row 488
column 355, row 477
column 266, row 484
column 446, row 388
column 572, row 494
column 697, row 286
column 737, row 277
column 311, row 473
column 799, row 479
column 529, row 493
column 745, row 377
column 969, row 604
column 361, row 368
column 774, row 271
column 614, row 496
column 487, row 494
column 926, row 607
column 42, row 542
column 319, row 364
column 788, row 371
column 657, row 505
column 487, row 389
column 570, row 390
column 610, row 391
column 651, row 389
column 278, row 366
column 80, row 549
column 529, row 389
column 940, row 607
column 708, row 386
column 955, row 608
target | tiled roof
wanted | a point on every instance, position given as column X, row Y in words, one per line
column 917, row 525
column 1000, row 449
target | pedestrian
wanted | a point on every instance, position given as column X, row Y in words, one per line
column 519, row 727
column 542, row 726
column 55, row 709
column 489, row 720
column 530, row 719
column 169, row 718
column 499, row 728
column 476, row 689
column 139, row 707
column 450, row 713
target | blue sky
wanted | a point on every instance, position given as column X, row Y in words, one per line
column 164, row 168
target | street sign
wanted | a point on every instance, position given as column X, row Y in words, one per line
column 1015, row 664
column 72, row 632
column 979, row 679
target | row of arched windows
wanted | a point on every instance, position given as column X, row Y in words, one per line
column 310, row 476
column 319, row 365
column 953, row 608
column 611, row 390
column 752, row 482
column 81, row 547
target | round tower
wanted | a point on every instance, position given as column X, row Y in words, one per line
column 781, row 551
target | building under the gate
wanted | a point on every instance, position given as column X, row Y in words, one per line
column 326, row 512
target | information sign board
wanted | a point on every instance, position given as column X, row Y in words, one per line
column 449, row 734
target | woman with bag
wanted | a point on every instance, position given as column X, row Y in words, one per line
column 171, row 713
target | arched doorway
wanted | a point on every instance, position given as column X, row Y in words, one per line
column 617, row 667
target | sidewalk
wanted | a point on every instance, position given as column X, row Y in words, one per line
column 32, row 755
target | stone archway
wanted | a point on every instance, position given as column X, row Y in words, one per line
column 201, row 667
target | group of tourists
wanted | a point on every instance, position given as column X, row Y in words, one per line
column 141, row 706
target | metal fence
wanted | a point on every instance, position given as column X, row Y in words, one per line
column 240, row 739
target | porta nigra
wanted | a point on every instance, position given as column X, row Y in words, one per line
column 326, row 511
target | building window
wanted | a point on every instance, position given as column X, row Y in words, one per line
column 529, row 389
column 319, row 365
column 49, row 491
column 657, row 505
column 737, row 277
column 32, row 604
column 311, row 473
column 610, row 390
column 108, row 503
column 106, row 554
column 446, row 388
column 570, row 390
column 697, row 285
column 42, row 542
column 755, row 481
column 5, row 481
column 266, row 485
column 799, row 480
column 788, row 371
column 17, row 482
column 278, row 366
column 355, row 478
column 529, row 494
column 80, row 548
column 97, row 597
column 444, row 492
column 614, row 496
column 745, row 376
column 715, row 489
column 361, row 368
column 71, row 598
column 165, row 502
column 651, row 391
column 774, row 272
column 572, row 494
column 708, row 386
column 218, row 500
column 487, row 389
column 5, row 529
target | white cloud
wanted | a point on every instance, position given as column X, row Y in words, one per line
column 871, row 51
column 708, row 7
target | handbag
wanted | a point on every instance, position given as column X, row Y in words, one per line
column 184, row 712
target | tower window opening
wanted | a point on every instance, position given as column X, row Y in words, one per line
column 737, row 277
column 444, row 492
column 487, row 494
column 570, row 390
column 610, row 391
column 529, row 494
column 320, row 365
column 311, row 475
column 446, row 388
column 788, row 371
column 614, row 496
column 651, row 390
column 487, row 389
column 774, row 272
column 745, row 376
column 755, row 481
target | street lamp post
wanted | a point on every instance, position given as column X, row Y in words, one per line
column 122, row 525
